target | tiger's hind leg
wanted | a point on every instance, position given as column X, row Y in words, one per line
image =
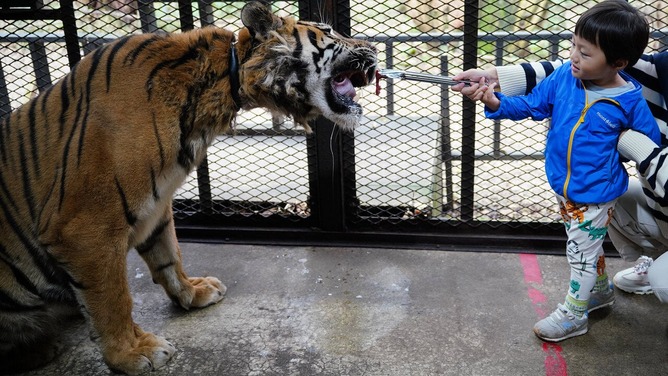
column 30, row 336
column 162, row 254
column 27, row 355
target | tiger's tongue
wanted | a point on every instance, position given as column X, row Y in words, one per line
column 345, row 87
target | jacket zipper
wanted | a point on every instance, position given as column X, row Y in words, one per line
column 572, row 137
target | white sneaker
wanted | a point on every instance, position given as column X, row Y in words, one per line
column 634, row 280
column 560, row 325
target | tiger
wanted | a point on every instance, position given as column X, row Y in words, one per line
column 89, row 167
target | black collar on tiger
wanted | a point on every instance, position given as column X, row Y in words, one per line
column 234, row 75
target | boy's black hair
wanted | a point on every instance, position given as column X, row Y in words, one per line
column 617, row 28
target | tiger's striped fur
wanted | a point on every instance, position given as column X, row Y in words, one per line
column 89, row 167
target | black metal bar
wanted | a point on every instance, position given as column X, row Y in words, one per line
column 324, row 150
column 70, row 31
column 40, row 65
column 554, row 49
column 20, row 4
column 204, row 187
column 187, row 21
column 205, row 12
column 485, row 239
column 29, row 14
column 469, row 113
column 348, row 175
column 498, row 60
column 277, row 122
column 389, row 62
column 186, row 17
column 147, row 17
column 446, row 147
column 5, row 107
column 325, row 147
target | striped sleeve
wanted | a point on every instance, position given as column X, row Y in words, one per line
column 521, row 79
column 654, row 178
column 654, row 87
column 651, row 71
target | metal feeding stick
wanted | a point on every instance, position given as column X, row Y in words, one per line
column 422, row 77
column 415, row 76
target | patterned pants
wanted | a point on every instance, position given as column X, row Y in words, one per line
column 586, row 227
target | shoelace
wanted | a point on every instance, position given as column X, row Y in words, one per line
column 642, row 266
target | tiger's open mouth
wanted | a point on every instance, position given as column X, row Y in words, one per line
column 344, row 84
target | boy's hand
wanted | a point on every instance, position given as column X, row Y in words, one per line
column 486, row 94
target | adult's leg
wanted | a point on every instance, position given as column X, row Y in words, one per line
column 634, row 230
column 658, row 277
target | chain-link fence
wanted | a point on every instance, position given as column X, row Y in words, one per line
column 424, row 167
column 429, row 36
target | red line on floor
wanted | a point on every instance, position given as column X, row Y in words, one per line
column 555, row 364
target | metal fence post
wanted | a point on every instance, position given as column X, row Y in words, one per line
column 328, row 168
column 186, row 17
column 469, row 113
column 147, row 16
column 39, row 61
column 5, row 106
column 70, row 31
column 444, row 152
column 187, row 20
column 389, row 62
column 205, row 12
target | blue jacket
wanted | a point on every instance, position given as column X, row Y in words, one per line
column 581, row 159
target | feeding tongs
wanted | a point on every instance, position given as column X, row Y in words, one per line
column 423, row 77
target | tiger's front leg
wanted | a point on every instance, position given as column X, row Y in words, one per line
column 100, row 279
column 162, row 254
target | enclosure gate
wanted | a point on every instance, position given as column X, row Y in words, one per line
column 425, row 169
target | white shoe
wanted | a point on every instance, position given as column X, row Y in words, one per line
column 634, row 280
column 560, row 325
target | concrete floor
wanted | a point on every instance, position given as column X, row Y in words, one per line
column 357, row 311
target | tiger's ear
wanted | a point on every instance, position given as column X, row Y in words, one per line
column 259, row 20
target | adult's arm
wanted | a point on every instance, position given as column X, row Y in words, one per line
column 650, row 159
column 522, row 78
column 652, row 73
column 512, row 80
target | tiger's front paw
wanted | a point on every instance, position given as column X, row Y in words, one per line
column 148, row 353
column 208, row 290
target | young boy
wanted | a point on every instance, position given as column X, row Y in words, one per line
column 591, row 101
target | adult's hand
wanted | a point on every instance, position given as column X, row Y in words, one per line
column 479, row 76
